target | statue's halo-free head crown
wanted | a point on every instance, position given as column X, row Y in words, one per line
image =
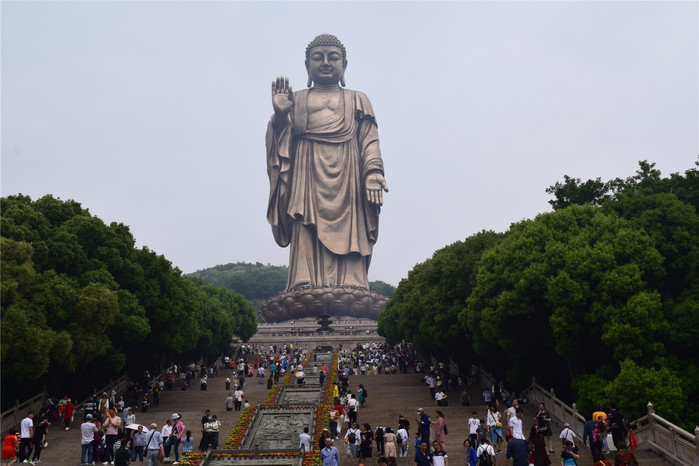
column 326, row 39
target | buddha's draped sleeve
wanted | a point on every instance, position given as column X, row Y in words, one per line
column 368, row 136
column 279, row 159
column 368, row 141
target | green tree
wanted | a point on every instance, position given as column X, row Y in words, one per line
column 568, row 278
column 427, row 304
column 382, row 288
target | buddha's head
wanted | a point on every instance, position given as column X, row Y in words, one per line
column 326, row 60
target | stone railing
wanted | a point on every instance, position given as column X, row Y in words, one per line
column 559, row 411
column 12, row 417
column 673, row 443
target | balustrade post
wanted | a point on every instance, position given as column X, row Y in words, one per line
column 651, row 422
column 696, row 440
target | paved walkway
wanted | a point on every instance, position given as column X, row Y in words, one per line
column 389, row 397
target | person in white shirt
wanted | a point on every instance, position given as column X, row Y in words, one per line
column 439, row 456
column 352, row 407
column 88, row 429
column 305, row 440
column 352, row 438
column 567, row 435
column 238, row 395
column 511, row 411
column 26, row 428
column 516, row 425
column 402, row 442
column 488, row 448
column 166, row 430
column 473, row 424
column 493, row 419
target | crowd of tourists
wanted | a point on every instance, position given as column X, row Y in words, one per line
column 495, row 431
column 111, row 435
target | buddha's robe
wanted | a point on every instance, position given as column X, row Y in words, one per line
column 317, row 201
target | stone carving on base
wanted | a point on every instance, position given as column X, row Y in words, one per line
column 326, row 189
column 278, row 428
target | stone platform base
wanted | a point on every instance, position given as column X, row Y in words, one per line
column 314, row 302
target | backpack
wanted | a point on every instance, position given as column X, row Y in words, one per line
column 365, row 393
column 484, row 459
column 352, row 438
column 379, row 433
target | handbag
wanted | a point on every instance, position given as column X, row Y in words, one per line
column 161, row 453
column 633, row 441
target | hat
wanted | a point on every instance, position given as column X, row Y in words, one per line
column 566, row 425
column 419, row 410
column 175, row 416
column 89, row 416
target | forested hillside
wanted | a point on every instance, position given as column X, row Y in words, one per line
column 599, row 298
column 80, row 304
column 258, row 282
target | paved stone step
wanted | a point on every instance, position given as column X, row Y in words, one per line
column 64, row 447
column 389, row 397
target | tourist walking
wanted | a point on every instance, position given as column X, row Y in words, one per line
column 517, row 451
column 178, row 430
column 329, row 456
column 138, row 445
column 390, row 445
column 423, row 421
column 88, row 429
column 494, row 427
column 26, row 429
column 422, row 456
column 10, row 447
column 153, row 442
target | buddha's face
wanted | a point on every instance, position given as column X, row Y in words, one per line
column 325, row 64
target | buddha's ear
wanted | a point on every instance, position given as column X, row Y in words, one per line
column 309, row 83
column 342, row 77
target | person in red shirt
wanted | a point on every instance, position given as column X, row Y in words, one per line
column 68, row 411
column 10, row 445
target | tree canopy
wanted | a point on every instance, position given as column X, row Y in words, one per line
column 598, row 298
column 80, row 303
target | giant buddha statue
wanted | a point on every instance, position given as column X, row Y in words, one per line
column 326, row 174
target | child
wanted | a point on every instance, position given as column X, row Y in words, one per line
column 188, row 443
column 416, row 441
column 482, row 432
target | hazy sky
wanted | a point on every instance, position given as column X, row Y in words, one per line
column 153, row 114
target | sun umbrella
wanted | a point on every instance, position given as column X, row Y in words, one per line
column 136, row 426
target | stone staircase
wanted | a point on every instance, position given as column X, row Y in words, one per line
column 64, row 447
column 390, row 395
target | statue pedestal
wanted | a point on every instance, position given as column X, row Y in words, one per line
column 316, row 301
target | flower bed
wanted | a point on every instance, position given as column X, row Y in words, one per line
column 312, row 458
column 235, row 437
column 191, row 459
column 272, row 395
